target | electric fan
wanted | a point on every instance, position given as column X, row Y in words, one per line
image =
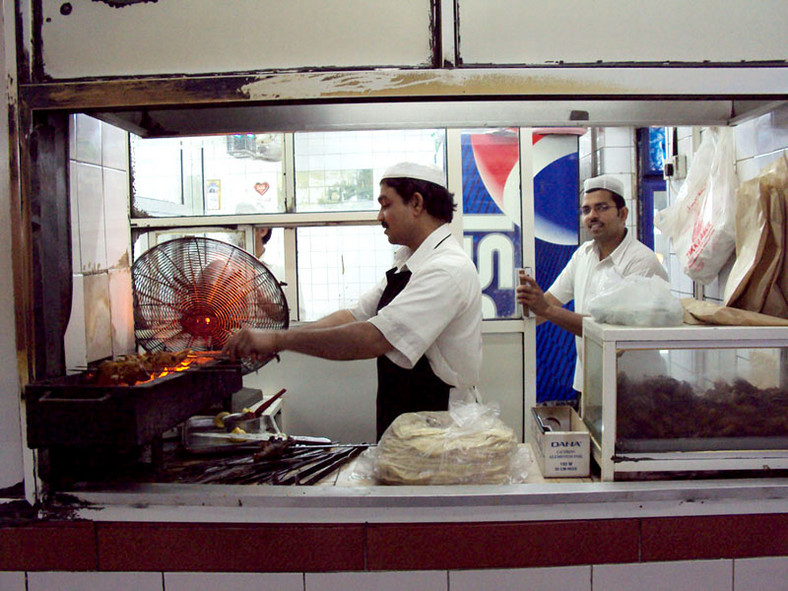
column 194, row 293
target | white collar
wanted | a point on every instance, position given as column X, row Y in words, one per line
column 405, row 258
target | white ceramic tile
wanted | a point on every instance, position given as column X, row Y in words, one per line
column 114, row 147
column 585, row 144
column 90, row 192
column 12, row 581
column 93, row 581
column 116, row 208
column 708, row 575
column 565, row 578
column 617, row 137
column 585, row 167
column 744, row 139
column 617, row 160
column 233, row 581
column 88, row 148
column 760, row 574
column 98, row 325
column 76, row 252
column 380, row 581
column 74, row 340
column 121, row 305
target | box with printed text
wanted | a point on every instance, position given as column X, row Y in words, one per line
column 561, row 441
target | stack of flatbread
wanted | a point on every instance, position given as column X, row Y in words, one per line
column 432, row 448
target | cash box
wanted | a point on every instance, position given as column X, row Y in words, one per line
column 562, row 442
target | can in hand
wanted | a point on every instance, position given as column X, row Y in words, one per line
column 520, row 279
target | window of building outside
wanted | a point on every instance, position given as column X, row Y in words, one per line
column 335, row 260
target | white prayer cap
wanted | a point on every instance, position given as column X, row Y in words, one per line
column 411, row 170
column 605, row 181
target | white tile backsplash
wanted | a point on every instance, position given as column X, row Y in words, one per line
column 616, row 137
column 12, row 581
column 705, row 575
column 75, row 341
column 116, row 208
column 379, row 581
column 617, row 160
column 76, row 249
column 761, row 574
column 92, row 238
column 121, row 303
column 233, row 581
column 566, row 578
column 88, row 140
column 114, row 147
column 98, row 324
column 93, row 581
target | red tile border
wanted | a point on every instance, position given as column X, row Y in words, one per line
column 501, row 545
column 48, row 546
column 716, row 536
column 120, row 546
column 229, row 548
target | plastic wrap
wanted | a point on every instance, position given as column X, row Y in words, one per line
column 468, row 444
column 636, row 301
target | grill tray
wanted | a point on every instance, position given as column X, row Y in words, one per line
column 66, row 411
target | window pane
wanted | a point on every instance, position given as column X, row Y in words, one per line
column 157, row 172
column 337, row 171
column 150, row 239
column 336, row 264
column 491, row 214
column 215, row 175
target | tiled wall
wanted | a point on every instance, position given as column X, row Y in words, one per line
column 722, row 552
column 101, row 315
column 611, row 150
column 748, row 574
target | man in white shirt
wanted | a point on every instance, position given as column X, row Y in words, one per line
column 604, row 214
column 422, row 322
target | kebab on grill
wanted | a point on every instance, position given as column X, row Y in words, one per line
column 135, row 368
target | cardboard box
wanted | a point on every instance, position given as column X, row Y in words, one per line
column 561, row 442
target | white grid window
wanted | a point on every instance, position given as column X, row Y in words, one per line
column 337, row 264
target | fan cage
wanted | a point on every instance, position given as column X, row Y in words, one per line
column 195, row 293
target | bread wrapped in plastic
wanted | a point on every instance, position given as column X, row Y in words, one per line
column 468, row 444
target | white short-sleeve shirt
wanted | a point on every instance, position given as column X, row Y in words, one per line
column 582, row 277
column 438, row 314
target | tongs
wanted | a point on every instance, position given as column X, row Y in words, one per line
column 230, row 421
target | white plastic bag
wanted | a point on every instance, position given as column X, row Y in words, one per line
column 636, row 301
column 701, row 223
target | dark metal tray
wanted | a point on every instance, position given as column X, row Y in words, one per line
column 68, row 412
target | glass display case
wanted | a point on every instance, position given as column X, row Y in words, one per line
column 685, row 399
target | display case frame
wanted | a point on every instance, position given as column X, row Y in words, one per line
column 610, row 340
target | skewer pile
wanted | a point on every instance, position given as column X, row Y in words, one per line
column 279, row 462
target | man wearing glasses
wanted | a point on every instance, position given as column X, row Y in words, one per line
column 604, row 214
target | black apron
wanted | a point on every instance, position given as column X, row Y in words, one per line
column 403, row 390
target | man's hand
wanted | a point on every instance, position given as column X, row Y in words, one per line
column 254, row 344
column 529, row 294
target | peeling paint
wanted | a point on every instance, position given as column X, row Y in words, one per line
column 381, row 83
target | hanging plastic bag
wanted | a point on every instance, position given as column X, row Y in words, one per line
column 636, row 301
column 701, row 223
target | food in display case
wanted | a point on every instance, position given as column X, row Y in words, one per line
column 667, row 408
column 690, row 399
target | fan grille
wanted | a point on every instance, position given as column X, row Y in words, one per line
column 194, row 293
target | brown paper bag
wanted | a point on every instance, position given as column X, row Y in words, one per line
column 758, row 281
column 702, row 312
